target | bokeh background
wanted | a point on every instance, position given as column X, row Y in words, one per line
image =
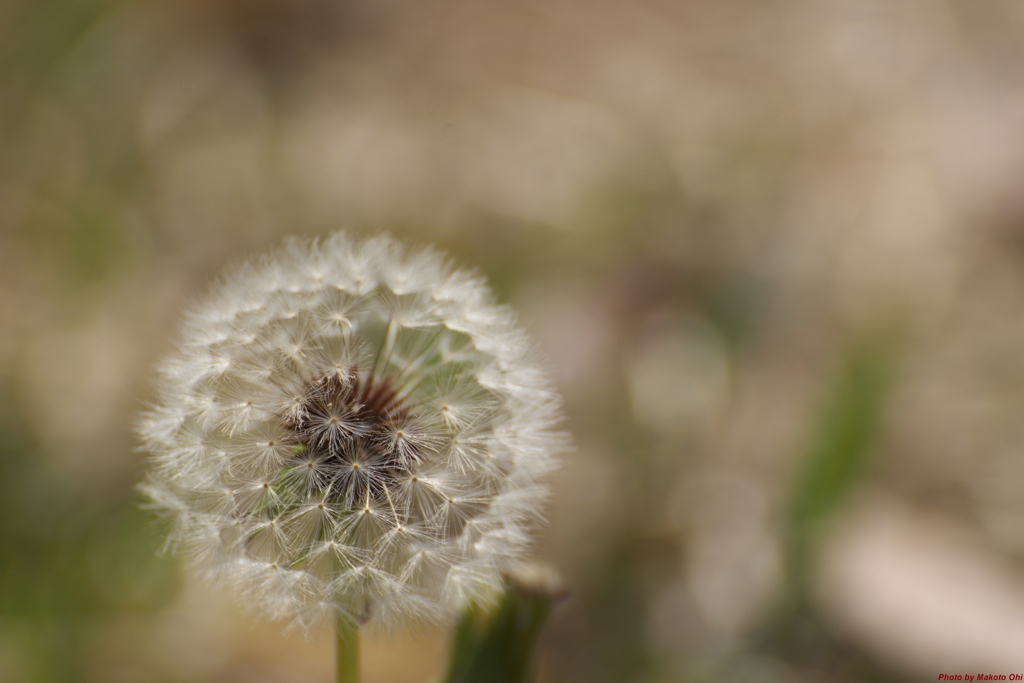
column 773, row 250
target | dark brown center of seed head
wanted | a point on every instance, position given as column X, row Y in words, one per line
column 345, row 433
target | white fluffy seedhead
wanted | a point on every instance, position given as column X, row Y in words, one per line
column 350, row 428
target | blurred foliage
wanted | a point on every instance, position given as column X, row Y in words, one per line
column 838, row 455
column 69, row 92
column 67, row 559
column 498, row 645
column 841, row 445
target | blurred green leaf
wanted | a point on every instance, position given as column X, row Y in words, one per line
column 841, row 444
column 835, row 462
column 498, row 646
column 845, row 432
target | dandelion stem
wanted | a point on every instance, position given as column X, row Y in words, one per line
column 347, row 665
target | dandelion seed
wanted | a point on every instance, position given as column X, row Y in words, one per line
column 351, row 430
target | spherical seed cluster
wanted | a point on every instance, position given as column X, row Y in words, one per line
column 351, row 428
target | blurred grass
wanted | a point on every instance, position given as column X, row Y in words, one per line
column 836, row 461
column 841, row 445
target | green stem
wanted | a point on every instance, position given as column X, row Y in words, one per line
column 347, row 639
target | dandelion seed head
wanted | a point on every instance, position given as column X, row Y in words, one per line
column 351, row 428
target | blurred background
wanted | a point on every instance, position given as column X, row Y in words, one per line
column 774, row 252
